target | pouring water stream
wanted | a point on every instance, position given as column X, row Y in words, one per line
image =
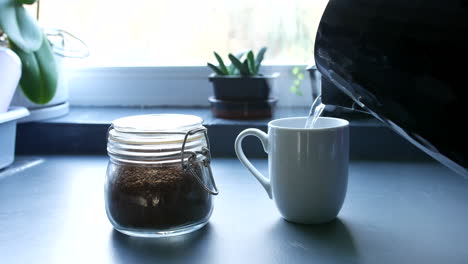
column 315, row 111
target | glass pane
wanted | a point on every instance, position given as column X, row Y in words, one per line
column 161, row 32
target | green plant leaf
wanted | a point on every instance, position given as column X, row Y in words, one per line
column 246, row 66
column 300, row 76
column 222, row 66
column 295, row 70
column 259, row 59
column 20, row 27
column 26, row 2
column 39, row 77
column 236, row 62
column 231, row 68
column 294, row 89
column 251, row 63
column 216, row 69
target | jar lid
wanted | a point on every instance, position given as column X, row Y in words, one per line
column 157, row 123
column 155, row 137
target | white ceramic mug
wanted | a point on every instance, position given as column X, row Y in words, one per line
column 308, row 168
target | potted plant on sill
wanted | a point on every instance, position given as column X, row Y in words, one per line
column 41, row 87
column 240, row 90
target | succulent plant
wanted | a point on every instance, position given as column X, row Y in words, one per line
column 242, row 64
column 39, row 76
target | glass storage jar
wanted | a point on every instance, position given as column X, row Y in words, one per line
column 159, row 180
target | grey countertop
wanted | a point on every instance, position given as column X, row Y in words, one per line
column 52, row 211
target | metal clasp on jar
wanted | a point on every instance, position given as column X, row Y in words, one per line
column 192, row 160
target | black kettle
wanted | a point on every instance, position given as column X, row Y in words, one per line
column 403, row 62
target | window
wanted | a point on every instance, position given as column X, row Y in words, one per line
column 161, row 33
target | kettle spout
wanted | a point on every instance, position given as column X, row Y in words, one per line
column 332, row 96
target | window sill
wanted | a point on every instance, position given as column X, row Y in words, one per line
column 83, row 131
column 164, row 85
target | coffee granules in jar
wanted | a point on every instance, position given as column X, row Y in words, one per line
column 159, row 180
column 161, row 197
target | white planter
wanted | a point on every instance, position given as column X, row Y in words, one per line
column 10, row 73
column 8, row 122
column 58, row 106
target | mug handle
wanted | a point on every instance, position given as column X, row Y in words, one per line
column 264, row 181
